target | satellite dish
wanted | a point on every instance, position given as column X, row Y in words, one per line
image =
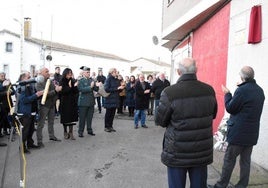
column 49, row 58
column 155, row 40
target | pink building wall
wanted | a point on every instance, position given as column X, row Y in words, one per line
column 210, row 49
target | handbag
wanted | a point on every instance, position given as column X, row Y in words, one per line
column 102, row 91
column 96, row 94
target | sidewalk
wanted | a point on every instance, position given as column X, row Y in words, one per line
column 258, row 175
column 128, row 158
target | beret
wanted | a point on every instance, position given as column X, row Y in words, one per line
column 85, row 68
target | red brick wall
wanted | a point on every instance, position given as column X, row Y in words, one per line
column 210, row 49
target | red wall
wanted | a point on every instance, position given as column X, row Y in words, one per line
column 210, row 49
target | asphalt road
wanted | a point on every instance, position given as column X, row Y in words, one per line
column 128, row 158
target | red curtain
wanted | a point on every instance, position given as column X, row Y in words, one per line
column 254, row 35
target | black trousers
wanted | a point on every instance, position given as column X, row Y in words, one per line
column 99, row 103
column 121, row 104
column 28, row 129
column 4, row 123
column 230, row 156
column 109, row 117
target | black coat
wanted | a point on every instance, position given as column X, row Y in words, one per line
column 68, row 104
column 187, row 109
column 158, row 86
column 245, row 108
column 101, row 78
column 130, row 95
column 141, row 99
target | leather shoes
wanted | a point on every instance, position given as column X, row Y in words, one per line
column 40, row 144
column 80, row 135
column 107, row 130
column 112, row 129
column 3, row 144
column 27, row 151
column 144, row 126
column 55, row 139
column 33, row 146
column 210, row 186
column 91, row 133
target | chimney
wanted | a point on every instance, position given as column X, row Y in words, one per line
column 27, row 27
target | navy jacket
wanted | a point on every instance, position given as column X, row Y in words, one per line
column 27, row 100
column 245, row 108
column 111, row 84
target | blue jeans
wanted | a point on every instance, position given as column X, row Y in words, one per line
column 197, row 176
column 139, row 115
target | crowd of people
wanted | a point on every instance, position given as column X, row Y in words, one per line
column 186, row 109
column 73, row 100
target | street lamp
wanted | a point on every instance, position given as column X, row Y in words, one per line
column 21, row 42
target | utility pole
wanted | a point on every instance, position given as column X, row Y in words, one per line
column 21, row 39
column 22, row 46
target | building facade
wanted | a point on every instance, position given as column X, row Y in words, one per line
column 32, row 54
column 216, row 34
column 149, row 67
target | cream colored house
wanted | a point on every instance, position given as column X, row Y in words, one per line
column 149, row 66
column 31, row 54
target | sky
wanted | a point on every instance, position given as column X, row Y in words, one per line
column 120, row 27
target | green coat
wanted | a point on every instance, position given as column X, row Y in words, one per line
column 86, row 96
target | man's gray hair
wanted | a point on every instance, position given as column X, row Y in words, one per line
column 187, row 66
column 111, row 70
column 247, row 73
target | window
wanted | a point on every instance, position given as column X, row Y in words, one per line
column 9, row 46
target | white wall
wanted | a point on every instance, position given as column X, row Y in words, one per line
column 12, row 59
column 148, row 66
column 32, row 57
column 241, row 53
column 75, row 61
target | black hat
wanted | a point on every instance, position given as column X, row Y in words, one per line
column 84, row 68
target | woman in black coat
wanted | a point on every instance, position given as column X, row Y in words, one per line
column 130, row 95
column 69, row 108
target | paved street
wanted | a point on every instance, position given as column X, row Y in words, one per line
column 128, row 158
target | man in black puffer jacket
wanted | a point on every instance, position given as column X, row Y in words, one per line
column 187, row 110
